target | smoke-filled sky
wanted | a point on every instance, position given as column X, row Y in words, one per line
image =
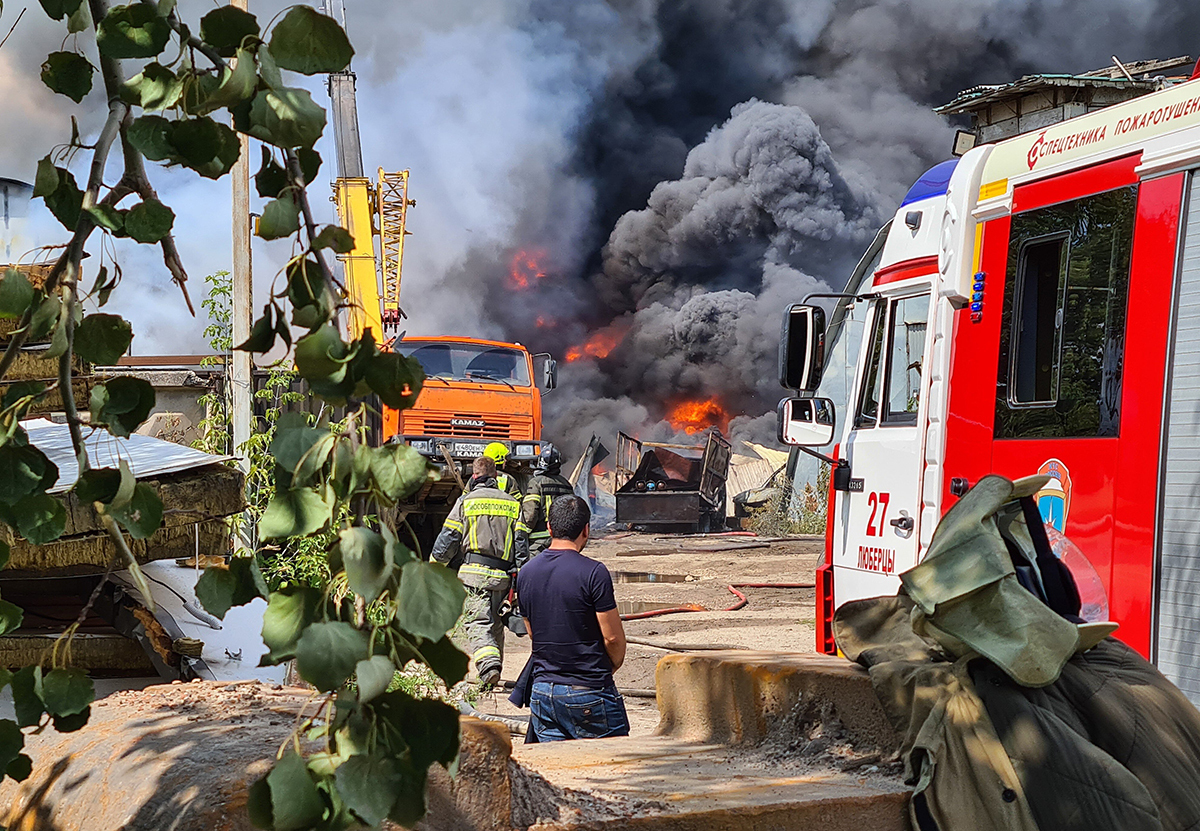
column 665, row 176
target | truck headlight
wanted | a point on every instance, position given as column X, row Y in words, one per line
column 526, row 450
column 421, row 445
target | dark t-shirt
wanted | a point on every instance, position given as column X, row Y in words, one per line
column 559, row 592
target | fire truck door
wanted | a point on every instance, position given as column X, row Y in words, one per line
column 882, row 508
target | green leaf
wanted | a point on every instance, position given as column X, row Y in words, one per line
column 28, row 706
column 308, row 470
column 206, row 146
column 134, row 31
column 149, row 221
column 258, row 804
column 40, row 518
column 364, row 557
column 46, row 180
column 121, row 404
column 69, row 724
column 295, row 802
column 154, row 88
column 16, row 293
column 79, row 20
column 20, row 768
column 108, row 218
column 374, row 675
column 66, row 202
column 237, row 85
column 286, row 117
column 368, row 784
column 262, row 335
column 11, row 742
column 309, row 42
column 58, row 341
column 25, row 470
column 58, row 9
column 45, row 318
column 226, row 29
column 144, row 513
column 327, row 654
column 429, row 726
column 103, row 338
column 312, row 304
column 293, row 439
column 66, row 692
column 398, row 471
column 11, row 617
column 430, row 599
column 321, row 354
column 446, row 660
column 280, row 218
column 310, row 163
column 150, row 136
column 271, row 179
column 68, row 74
column 98, row 484
column 335, row 237
column 295, row 513
column 396, row 379
column 221, row 588
column 289, row 611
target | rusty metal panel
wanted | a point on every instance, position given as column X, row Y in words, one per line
column 661, row 508
column 629, row 454
column 715, row 467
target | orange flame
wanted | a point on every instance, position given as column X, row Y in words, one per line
column 600, row 344
column 525, row 268
column 542, row 323
column 694, row 416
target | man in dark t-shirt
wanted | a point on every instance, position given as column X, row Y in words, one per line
column 578, row 641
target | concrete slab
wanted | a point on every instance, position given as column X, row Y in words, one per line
column 667, row 784
column 741, row 697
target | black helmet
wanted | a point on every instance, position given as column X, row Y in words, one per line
column 550, row 460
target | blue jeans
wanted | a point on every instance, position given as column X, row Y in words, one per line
column 563, row 711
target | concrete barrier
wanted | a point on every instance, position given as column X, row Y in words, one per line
column 741, row 697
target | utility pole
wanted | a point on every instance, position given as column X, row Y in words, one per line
column 240, row 371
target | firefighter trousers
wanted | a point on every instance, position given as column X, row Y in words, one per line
column 484, row 628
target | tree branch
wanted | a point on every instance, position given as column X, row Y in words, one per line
column 301, row 193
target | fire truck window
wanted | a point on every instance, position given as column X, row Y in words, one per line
column 906, row 352
column 1062, row 340
column 1036, row 327
column 868, row 407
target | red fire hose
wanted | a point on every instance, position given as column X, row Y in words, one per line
column 733, row 587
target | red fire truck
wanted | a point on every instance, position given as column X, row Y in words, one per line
column 1032, row 307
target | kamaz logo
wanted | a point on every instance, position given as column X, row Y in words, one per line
column 467, row 422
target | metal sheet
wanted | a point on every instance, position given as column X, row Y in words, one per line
column 667, row 507
column 145, row 455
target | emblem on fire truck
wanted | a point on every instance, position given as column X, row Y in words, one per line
column 1054, row 500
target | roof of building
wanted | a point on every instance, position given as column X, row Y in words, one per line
column 1145, row 76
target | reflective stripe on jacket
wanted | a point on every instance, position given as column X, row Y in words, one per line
column 543, row 489
column 483, row 526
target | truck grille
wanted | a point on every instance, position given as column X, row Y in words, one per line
column 494, row 427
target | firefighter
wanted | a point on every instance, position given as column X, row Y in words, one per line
column 505, row 481
column 483, row 524
column 547, row 484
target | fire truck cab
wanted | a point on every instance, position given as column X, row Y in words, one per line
column 1032, row 307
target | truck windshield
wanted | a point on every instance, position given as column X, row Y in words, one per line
column 468, row 362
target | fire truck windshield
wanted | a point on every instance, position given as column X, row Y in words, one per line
column 468, row 362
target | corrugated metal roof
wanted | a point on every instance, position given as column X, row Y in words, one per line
column 975, row 97
column 145, row 455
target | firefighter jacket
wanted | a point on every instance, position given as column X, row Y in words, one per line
column 1009, row 720
column 543, row 489
column 482, row 527
column 509, row 484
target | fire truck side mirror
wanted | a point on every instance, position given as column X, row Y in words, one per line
column 806, row 422
column 546, row 369
column 802, row 348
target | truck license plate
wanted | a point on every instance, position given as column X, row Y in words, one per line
column 469, row 449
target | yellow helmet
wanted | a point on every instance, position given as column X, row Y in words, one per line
column 497, row 452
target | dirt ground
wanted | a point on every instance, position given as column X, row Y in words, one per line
column 692, row 571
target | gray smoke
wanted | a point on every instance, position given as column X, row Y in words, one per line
column 587, row 136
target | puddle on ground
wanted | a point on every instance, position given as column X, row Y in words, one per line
column 637, row 607
column 649, row 577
